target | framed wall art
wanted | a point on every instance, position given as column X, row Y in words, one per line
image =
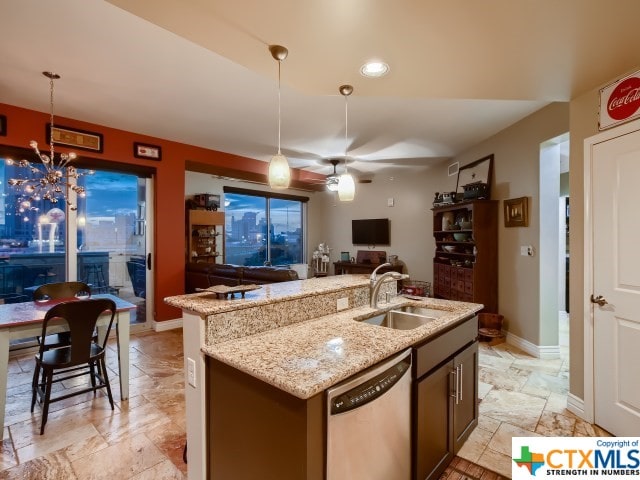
column 73, row 137
column 516, row 212
column 144, row 150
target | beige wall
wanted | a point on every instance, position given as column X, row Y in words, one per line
column 410, row 217
column 516, row 174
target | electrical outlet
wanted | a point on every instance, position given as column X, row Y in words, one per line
column 191, row 372
column 342, row 304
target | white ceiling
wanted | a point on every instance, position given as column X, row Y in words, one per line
column 199, row 71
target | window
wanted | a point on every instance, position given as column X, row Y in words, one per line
column 263, row 228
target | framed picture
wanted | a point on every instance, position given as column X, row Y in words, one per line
column 453, row 169
column 516, row 212
column 3, row 126
column 345, row 257
column 144, row 150
column 474, row 179
column 73, row 137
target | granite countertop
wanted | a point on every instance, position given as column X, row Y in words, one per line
column 207, row 303
column 305, row 358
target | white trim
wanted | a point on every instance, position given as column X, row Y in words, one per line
column 589, row 380
column 576, row 406
column 167, row 325
column 547, row 352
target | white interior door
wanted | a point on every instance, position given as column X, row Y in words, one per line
column 616, row 278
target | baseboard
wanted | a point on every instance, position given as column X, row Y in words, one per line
column 576, row 406
column 167, row 325
column 543, row 352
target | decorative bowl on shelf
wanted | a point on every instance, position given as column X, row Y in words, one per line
column 452, row 227
column 461, row 237
column 449, row 248
column 465, row 225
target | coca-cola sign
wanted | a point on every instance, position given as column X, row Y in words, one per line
column 620, row 101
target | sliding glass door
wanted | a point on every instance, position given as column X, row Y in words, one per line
column 111, row 237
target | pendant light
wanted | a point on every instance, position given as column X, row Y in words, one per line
column 346, row 185
column 279, row 172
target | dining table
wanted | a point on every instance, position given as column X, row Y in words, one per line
column 24, row 320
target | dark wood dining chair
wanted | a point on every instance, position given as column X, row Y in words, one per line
column 82, row 356
column 58, row 291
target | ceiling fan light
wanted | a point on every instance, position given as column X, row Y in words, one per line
column 279, row 173
column 346, row 188
column 332, row 183
column 332, row 180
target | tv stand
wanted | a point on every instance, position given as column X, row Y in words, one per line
column 342, row 268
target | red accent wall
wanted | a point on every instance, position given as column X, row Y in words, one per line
column 169, row 263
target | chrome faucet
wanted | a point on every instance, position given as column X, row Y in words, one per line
column 376, row 281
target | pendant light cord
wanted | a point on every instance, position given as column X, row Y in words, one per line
column 346, row 130
column 51, row 119
column 279, row 107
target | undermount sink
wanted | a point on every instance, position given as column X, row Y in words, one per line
column 399, row 320
column 424, row 311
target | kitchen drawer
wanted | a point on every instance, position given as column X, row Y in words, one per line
column 430, row 354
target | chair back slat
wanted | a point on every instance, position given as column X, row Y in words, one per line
column 81, row 317
column 58, row 290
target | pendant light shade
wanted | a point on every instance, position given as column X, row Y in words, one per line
column 346, row 188
column 346, row 185
column 279, row 171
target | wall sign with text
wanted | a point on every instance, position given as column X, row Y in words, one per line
column 620, row 101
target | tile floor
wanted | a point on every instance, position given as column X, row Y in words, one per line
column 144, row 437
column 84, row 439
column 521, row 396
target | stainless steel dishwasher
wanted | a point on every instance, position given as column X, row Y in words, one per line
column 369, row 423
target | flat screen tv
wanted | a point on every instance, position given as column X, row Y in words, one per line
column 371, row 231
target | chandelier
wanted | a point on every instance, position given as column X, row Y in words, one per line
column 47, row 179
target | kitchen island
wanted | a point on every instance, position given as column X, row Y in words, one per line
column 291, row 338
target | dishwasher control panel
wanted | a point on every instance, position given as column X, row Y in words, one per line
column 371, row 389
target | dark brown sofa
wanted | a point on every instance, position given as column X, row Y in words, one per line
column 203, row 275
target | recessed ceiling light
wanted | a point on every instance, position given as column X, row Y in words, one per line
column 374, row 69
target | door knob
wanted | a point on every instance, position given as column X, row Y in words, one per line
column 600, row 300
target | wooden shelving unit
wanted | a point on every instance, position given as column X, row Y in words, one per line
column 468, row 272
column 205, row 233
